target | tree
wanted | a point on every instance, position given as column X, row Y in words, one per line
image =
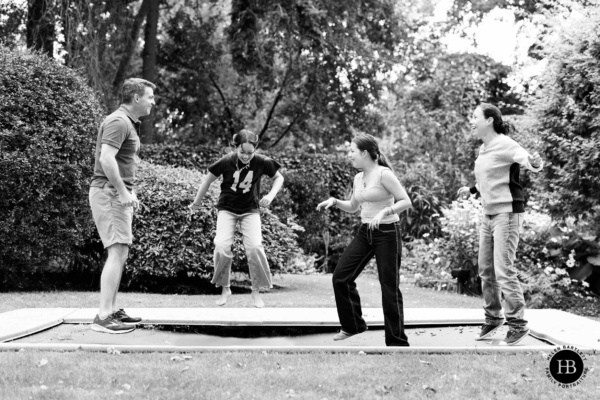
column 149, row 56
column 286, row 69
column 41, row 32
column 129, row 50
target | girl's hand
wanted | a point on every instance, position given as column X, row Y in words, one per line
column 266, row 201
column 330, row 202
column 463, row 191
column 193, row 208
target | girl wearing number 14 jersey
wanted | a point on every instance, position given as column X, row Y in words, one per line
column 242, row 171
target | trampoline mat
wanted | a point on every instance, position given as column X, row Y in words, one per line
column 169, row 335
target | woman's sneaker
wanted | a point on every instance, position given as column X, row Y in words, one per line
column 488, row 330
column 110, row 325
column 513, row 337
column 342, row 335
column 122, row 316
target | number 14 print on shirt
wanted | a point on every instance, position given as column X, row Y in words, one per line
column 246, row 183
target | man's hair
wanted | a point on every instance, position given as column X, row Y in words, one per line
column 133, row 86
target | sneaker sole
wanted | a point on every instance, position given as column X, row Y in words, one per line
column 517, row 341
column 131, row 323
column 490, row 333
column 99, row 328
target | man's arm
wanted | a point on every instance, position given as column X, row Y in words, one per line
column 111, row 169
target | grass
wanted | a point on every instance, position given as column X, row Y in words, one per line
column 281, row 376
column 289, row 291
column 233, row 375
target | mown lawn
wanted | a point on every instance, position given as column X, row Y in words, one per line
column 83, row 375
column 288, row 291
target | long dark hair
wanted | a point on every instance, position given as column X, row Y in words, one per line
column 244, row 136
column 500, row 126
column 366, row 142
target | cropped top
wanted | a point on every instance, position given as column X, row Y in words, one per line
column 373, row 197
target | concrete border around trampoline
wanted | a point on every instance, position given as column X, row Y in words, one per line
column 280, row 349
column 553, row 326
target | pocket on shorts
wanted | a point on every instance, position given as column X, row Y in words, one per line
column 110, row 190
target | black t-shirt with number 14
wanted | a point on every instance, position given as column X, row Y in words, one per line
column 240, row 189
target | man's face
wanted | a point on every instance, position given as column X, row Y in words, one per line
column 145, row 102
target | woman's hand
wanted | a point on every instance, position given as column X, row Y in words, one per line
column 535, row 160
column 330, row 202
column 463, row 191
column 374, row 224
column 266, row 201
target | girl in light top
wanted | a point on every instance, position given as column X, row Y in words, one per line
column 242, row 171
column 497, row 172
column 380, row 196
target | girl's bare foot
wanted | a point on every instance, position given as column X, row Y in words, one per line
column 224, row 296
column 258, row 302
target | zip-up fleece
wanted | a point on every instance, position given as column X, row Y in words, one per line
column 497, row 172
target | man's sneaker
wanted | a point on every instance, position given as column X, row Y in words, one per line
column 513, row 337
column 122, row 316
column 488, row 330
column 110, row 325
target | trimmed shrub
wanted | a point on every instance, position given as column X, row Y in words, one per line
column 48, row 123
column 175, row 155
column 171, row 243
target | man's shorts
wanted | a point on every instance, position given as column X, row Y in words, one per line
column 113, row 220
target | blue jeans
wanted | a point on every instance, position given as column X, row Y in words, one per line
column 386, row 245
column 498, row 241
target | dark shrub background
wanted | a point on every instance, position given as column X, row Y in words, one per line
column 48, row 124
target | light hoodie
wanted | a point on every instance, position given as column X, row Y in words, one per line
column 497, row 172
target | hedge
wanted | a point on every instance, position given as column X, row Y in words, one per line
column 48, row 123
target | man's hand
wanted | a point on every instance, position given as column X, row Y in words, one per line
column 129, row 200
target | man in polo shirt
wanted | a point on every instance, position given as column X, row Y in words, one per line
column 112, row 197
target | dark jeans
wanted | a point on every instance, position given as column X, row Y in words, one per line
column 386, row 245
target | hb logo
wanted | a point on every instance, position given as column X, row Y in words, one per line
column 566, row 366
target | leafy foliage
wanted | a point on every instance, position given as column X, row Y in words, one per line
column 551, row 259
column 568, row 111
column 48, row 120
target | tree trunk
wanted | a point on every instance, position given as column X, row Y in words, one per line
column 130, row 48
column 41, row 26
column 149, row 56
